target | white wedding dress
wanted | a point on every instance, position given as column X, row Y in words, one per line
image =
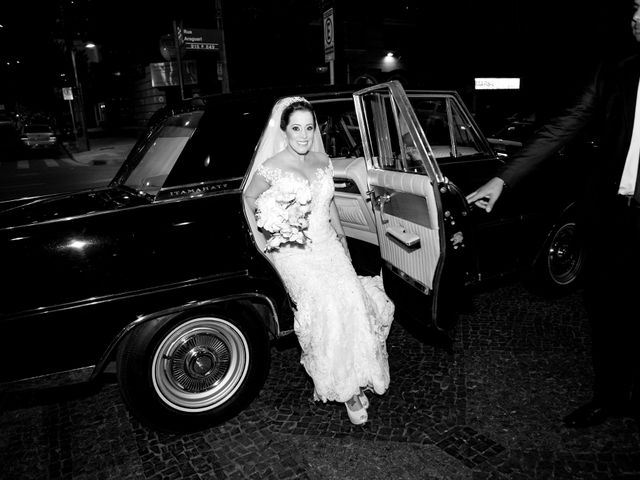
column 342, row 320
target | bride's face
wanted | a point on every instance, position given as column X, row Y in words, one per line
column 299, row 131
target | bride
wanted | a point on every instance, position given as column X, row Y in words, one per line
column 341, row 320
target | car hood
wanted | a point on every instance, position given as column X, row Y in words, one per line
column 29, row 211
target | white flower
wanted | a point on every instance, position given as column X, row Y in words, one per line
column 283, row 211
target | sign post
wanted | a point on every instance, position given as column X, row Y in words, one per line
column 178, row 37
column 329, row 42
column 85, row 133
column 67, row 94
column 223, row 50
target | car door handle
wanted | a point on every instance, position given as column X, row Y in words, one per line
column 381, row 200
column 409, row 239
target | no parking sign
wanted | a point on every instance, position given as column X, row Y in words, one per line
column 329, row 36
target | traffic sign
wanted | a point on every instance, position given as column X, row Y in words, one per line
column 67, row 93
column 329, row 36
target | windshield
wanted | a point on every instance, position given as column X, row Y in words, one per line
column 149, row 169
column 37, row 129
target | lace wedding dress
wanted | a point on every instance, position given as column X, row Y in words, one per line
column 342, row 320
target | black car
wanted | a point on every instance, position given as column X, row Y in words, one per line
column 162, row 274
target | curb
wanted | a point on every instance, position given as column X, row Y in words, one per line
column 68, row 152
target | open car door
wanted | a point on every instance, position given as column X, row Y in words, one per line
column 406, row 189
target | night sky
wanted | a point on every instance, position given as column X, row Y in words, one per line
column 551, row 43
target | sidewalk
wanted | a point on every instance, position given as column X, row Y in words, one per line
column 105, row 148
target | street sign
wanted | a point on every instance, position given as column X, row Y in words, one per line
column 493, row 83
column 67, row 93
column 329, row 36
column 201, row 39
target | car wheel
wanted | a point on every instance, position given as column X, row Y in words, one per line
column 194, row 371
column 559, row 265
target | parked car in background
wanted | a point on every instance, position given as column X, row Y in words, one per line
column 509, row 138
column 162, row 274
column 5, row 120
column 38, row 136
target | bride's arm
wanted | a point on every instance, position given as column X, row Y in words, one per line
column 337, row 226
column 257, row 185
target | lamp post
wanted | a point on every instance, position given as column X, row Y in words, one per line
column 223, row 48
column 80, row 100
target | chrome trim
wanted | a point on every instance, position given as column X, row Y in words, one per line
column 49, row 380
column 131, row 293
column 187, row 198
column 104, row 360
column 198, row 189
column 199, row 184
column 406, row 278
column 107, row 212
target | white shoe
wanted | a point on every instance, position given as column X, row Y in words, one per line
column 356, row 411
column 363, row 399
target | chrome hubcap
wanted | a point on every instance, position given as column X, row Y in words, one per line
column 200, row 364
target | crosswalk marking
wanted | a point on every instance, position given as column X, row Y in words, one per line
column 25, row 164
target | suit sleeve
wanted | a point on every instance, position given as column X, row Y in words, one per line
column 550, row 138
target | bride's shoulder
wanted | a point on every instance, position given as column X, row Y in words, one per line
column 272, row 168
column 277, row 162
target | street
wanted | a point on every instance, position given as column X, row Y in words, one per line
column 43, row 173
column 491, row 409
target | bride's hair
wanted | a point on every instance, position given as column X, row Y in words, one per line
column 292, row 107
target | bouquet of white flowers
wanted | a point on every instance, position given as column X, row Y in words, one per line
column 283, row 211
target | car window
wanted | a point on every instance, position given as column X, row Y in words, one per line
column 37, row 129
column 339, row 128
column 222, row 147
column 448, row 128
column 392, row 145
column 466, row 139
column 149, row 170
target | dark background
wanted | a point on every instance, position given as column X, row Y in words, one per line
column 551, row 45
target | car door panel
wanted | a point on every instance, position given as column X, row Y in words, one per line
column 406, row 205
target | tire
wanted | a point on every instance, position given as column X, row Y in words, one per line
column 194, row 371
column 559, row 265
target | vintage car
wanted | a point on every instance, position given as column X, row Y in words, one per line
column 162, row 275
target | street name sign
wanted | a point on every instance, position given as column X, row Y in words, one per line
column 201, row 39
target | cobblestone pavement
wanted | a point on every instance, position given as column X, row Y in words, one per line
column 491, row 409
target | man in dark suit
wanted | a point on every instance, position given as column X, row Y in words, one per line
column 609, row 224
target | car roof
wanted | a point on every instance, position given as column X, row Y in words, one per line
column 266, row 97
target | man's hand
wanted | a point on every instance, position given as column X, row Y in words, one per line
column 487, row 195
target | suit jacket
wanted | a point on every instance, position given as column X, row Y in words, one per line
column 608, row 103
